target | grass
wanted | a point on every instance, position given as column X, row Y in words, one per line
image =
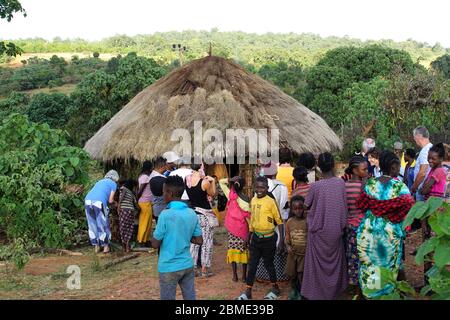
column 66, row 89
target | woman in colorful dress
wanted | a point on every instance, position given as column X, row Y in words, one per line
column 357, row 172
column 386, row 201
column 236, row 222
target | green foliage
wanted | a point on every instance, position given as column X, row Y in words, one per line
column 437, row 248
column 132, row 75
column 442, row 64
column 342, row 67
column 16, row 102
column 36, row 168
column 49, row 108
column 103, row 93
column 17, row 252
column 7, row 10
column 287, row 75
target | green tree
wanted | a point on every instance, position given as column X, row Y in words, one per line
column 7, row 10
column 442, row 64
column 133, row 74
column 341, row 67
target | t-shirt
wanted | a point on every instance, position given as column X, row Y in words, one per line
column 280, row 192
column 101, row 191
column 183, row 173
column 353, row 191
column 127, row 200
column 440, row 176
column 175, row 228
column 264, row 215
column 146, row 194
column 156, row 186
column 421, row 160
column 285, row 175
column 296, row 235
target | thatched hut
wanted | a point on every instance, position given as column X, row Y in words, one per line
column 222, row 95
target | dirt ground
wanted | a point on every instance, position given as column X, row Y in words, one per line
column 45, row 277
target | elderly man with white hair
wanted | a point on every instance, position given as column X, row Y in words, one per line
column 368, row 144
column 422, row 139
column 97, row 212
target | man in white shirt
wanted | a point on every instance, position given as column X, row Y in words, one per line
column 422, row 139
column 184, row 169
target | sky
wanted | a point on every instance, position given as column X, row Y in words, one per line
column 424, row 21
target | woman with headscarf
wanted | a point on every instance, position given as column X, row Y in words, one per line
column 97, row 212
column 386, row 201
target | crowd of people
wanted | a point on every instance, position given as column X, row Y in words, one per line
column 305, row 224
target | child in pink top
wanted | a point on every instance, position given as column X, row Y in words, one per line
column 434, row 185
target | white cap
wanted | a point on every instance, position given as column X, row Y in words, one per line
column 171, row 156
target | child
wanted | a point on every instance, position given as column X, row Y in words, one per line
column 177, row 227
column 408, row 175
column 301, row 182
column 128, row 209
column 265, row 217
column 296, row 232
column 434, row 185
column 236, row 222
column 358, row 172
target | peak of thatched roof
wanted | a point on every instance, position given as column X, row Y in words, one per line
column 222, row 95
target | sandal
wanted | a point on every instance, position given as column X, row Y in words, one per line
column 243, row 297
column 207, row 274
column 272, row 295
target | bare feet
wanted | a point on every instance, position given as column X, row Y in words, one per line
column 97, row 249
column 235, row 278
column 106, row 249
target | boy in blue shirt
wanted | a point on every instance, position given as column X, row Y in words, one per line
column 177, row 228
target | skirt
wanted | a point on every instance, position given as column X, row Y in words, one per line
column 352, row 255
column 126, row 225
column 280, row 265
column 237, row 250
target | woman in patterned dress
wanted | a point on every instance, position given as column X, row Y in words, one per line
column 386, row 201
column 236, row 223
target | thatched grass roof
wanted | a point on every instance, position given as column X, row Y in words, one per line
column 222, row 95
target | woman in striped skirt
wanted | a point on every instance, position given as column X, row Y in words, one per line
column 128, row 209
column 358, row 172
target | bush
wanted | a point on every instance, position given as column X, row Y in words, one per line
column 49, row 108
column 36, row 168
